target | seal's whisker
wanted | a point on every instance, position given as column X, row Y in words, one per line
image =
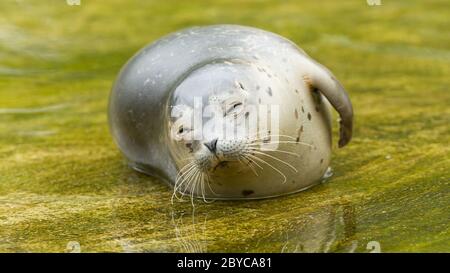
column 261, row 141
column 175, row 189
column 255, row 136
column 203, row 188
column 208, row 183
column 273, row 150
column 182, row 171
column 185, row 182
column 270, row 165
column 194, row 186
column 282, row 142
column 249, row 165
column 275, row 158
column 202, row 185
column 179, row 182
column 252, row 161
column 188, row 184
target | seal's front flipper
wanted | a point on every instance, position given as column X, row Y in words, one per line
column 321, row 78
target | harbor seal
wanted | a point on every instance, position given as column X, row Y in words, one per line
column 232, row 69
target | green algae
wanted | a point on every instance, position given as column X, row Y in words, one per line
column 62, row 179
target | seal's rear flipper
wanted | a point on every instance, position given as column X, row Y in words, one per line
column 321, row 78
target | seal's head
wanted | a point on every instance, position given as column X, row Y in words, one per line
column 220, row 128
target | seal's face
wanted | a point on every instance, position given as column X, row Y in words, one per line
column 218, row 124
column 214, row 125
column 221, row 134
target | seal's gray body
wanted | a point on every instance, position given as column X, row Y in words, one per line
column 139, row 102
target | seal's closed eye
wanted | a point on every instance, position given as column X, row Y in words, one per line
column 235, row 107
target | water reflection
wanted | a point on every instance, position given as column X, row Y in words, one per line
column 236, row 227
column 190, row 234
column 328, row 230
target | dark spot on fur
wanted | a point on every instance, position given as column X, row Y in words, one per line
column 222, row 164
column 241, row 85
column 317, row 109
column 268, row 75
column 309, row 115
column 296, row 113
column 296, row 91
column 303, row 110
column 247, row 114
column 321, row 161
column 259, row 100
column 316, row 96
column 257, row 87
column 189, row 146
column 247, row 192
column 269, row 91
column 299, row 133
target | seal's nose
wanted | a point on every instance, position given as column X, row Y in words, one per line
column 211, row 145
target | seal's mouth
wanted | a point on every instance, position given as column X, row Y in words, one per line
column 222, row 164
column 210, row 159
column 212, row 162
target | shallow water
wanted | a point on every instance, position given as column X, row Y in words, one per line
column 65, row 187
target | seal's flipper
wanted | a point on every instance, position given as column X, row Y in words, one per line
column 322, row 79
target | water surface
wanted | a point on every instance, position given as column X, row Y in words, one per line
column 65, row 187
